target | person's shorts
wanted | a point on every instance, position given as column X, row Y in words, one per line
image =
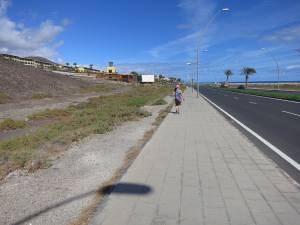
column 177, row 102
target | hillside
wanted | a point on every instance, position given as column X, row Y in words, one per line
column 41, row 59
column 19, row 81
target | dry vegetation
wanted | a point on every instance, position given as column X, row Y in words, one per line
column 26, row 82
column 9, row 124
column 98, row 115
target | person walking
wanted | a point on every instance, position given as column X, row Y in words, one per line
column 178, row 98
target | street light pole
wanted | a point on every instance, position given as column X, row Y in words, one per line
column 197, row 62
column 205, row 30
column 276, row 62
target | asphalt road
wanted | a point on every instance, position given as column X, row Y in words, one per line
column 276, row 121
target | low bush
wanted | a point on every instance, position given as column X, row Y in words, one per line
column 99, row 115
column 159, row 102
column 4, row 98
column 40, row 96
column 9, row 124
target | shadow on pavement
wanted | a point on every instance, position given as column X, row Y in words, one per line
column 126, row 188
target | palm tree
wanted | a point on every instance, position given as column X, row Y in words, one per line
column 228, row 73
column 75, row 64
column 247, row 71
column 67, row 64
column 91, row 66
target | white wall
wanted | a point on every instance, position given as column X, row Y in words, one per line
column 147, row 78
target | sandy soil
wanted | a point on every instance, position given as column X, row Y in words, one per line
column 58, row 194
column 19, row 111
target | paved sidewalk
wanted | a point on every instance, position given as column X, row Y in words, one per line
column 199, row 169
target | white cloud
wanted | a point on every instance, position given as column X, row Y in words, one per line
column 290, row 34
column 292, row 67
column 16, row 38
column 198, row 14
column 197, row 11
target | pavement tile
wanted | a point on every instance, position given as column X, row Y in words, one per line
column 216, row 216
column 202, row 170
column 289, row 218
column 266, row 218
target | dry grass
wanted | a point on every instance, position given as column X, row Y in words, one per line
column 99, row 115
column 41, row 96
column 160, row 102
column 100, row 88
column 4, row 98
column 10, row 124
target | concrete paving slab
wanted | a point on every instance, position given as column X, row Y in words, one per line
column 202, row 170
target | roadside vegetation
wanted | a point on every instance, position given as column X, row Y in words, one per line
column 160, row 102
column 9, row 124
column 41, row 96
column 100, row 88
column 271, row 94
column 4, row 98
column 97, row 116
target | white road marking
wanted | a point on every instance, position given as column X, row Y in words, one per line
column 294, row 114
column 271, row 146
column 236, row 98
column 283, row 100
column 254, row 103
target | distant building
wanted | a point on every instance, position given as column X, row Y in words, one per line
column 80, row 69
column 111, row 68
column 148, row 78
column 28, row 62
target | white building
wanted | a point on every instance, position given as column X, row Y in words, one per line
column 148, row 78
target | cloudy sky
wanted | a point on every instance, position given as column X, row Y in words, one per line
column 154, row 36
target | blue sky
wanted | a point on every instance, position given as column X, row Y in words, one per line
column 154, row 36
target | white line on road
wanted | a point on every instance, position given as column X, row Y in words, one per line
column 294, row 114
column 254, row 103
column 236, row 98
column 277, row 99
column 271, row 146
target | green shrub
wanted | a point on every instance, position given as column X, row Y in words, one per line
column 9, row 124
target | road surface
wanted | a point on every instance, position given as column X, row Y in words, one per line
column 277, row 121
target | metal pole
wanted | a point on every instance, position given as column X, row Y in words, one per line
column 197, row 72
column 276, row 62
column 192, row 85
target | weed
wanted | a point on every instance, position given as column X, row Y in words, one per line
column 99, row 115
column 9, row 124
column 99, row 88
column 40, row 96
column 4, row 98
column 160, row 102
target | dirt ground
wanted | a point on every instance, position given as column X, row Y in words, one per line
column 21, row 82
column 19, row 111
column 58, row 194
